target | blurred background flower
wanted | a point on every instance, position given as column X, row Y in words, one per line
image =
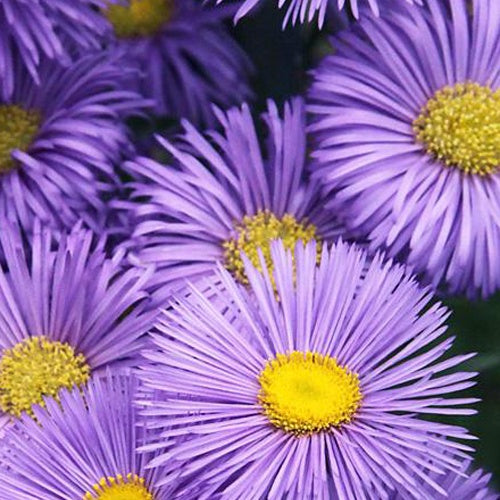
column 184, row 57
column 36, row 30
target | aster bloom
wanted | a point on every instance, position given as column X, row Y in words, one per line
column 308, row 385
column 406, row 121
column 306, row 10
column 224, row 194
column 185, row 57
column 66, row 311
column 83, row 448
column 61, row 140
column 465, row 484
column 34, row 30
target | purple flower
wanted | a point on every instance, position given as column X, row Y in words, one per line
column 308, row 385
column 34, row 30
column 66, row 311
column 406, row 122
column 225, row 193
column 185, row 57
column 60, row 141
column 84, row 447
column 464, row 484
column 306, row 10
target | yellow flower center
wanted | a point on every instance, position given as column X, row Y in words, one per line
column 460, row 126
column 120, row 488
column 140, row 17
column 38, row 367
column 258, row 231
column 18, row 128
column 304, row 393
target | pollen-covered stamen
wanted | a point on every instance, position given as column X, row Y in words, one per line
column 258, row 231
column 140, row 17
column 304, row 393
column 131, row 487
column 18, row 128
column 38, row 367
column 460, row 126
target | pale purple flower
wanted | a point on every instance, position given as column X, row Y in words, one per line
column 66, row 290
column 186, row 211
column 92, row 435
column 432, row 202
column 61, row 141
column 203, row 382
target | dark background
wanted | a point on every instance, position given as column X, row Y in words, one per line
column 282, row 59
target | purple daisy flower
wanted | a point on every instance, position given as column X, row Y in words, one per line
column 223, row 194
column 306, row 10
column 407, row 128
column 308, row 385
column 84, row 447
column 66, row 311
column 186, row 58
column 459, row 485
column 34, row 30
column 60, row 141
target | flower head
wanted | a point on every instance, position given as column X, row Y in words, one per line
column 60, row 140
column 85, row 447
column 226, row 194
column 66, row 311
column 412, row 158
column 186, row 60
column 34, row 31
column 308, row 385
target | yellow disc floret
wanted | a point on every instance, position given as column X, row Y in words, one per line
column 258, row 231
column 460, row 126
column 18, row 128
column 304, row 393
column 139, row 17
column 131, row 487
column 38, row 367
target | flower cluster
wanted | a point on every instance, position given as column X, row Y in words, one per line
column 203, row 295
